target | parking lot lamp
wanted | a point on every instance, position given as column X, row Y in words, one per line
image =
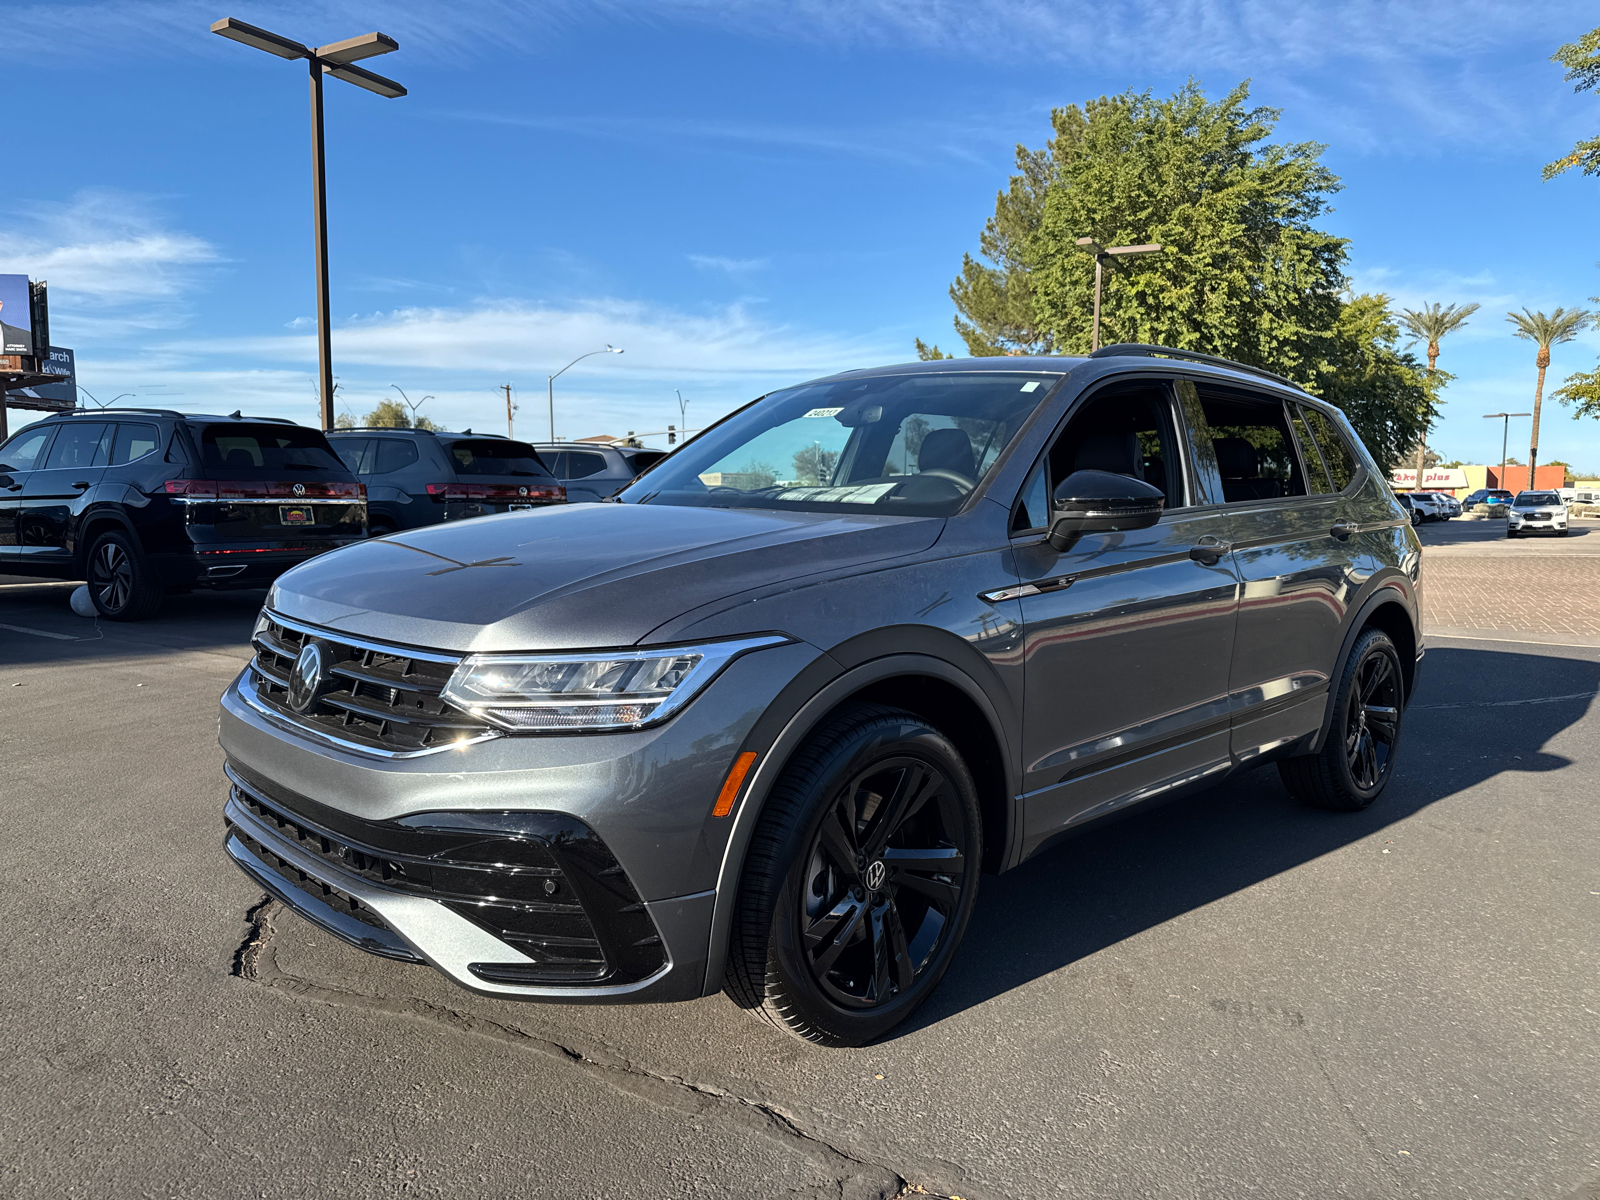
column 1504, row 433
column 1101, row 255
column 550, row 381
column 336, row 59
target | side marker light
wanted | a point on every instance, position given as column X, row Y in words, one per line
column 731, row 785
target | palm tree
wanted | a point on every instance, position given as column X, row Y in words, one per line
column 1429, row 324
column 1545, row 331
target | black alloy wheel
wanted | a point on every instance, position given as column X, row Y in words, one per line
column 120, row 584
column 884, row 880
column 1358, row 755
column 860, row 879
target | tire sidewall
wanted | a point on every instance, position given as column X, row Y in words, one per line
column 135, row 565
column 882, row 738
column 1373, row 639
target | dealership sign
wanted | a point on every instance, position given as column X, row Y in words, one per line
column 1443, row 478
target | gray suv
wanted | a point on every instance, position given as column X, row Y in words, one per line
column 761, row 725
column 593, row 472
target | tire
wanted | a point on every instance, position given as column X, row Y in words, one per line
column 120, row 581
column 380, row 529
column 831, row 945
column 1357, row 758
column 1510, row 533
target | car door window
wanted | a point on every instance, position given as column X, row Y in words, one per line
column 581, row 465
column 1250, row 436
column 77, row 445
column 1336, row 452
column 355, row 453
column 134, row 441
column 1316, row 470
column 23, row 452
column 393, row 454
column 1033, row 509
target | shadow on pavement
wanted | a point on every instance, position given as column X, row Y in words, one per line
column 1117, row 881
column 37, row 625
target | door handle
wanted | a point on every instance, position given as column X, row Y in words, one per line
column 81, row 484
column 1343, row 529
column 1210, row 550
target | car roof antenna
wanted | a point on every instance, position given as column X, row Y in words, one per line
column 235, row 414
column 468, row 429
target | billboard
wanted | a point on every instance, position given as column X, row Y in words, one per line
column 16, row 316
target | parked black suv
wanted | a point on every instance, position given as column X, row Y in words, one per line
column 142, row 502
column 596, row 472
column 421, row 477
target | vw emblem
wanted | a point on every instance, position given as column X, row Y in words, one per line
column 305, row 677
column 876, row 874
column 522, row 491
column 299, row 489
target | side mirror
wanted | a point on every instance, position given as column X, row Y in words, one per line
column 1100, row 502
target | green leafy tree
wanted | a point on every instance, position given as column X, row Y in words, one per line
column 1582, row 61
column 390, row 414
column 1562, row 325
column 1380, row 387
column 1243, row 272
column 929, row 353
column 1428, row 325
column 1581, row 390
column 344, row 421
column 813, row 466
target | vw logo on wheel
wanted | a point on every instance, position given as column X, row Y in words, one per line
column 306, row 677
column 876, row 874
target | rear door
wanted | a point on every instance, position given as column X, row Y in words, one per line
column 18, row 460
column 1128, row 636
column 584, row 474
column 54, row 496
column 1299, row 562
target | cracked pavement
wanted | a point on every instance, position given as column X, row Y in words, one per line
column 1229, row 996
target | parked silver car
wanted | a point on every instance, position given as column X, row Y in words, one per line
column 591, row 471
column 760, row 726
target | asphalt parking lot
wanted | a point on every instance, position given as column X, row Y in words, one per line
column 1229, row 996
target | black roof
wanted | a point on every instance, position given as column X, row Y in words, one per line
column 100, row 414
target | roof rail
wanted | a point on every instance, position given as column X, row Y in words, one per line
column 95, row 412
column 381, row 429
column 1119, row 349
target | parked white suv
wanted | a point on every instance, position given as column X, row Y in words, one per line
column 1537, row 512
column 1430, row 506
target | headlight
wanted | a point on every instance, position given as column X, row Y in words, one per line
column 628, row 689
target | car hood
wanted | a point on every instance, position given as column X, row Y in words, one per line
column 567, row 578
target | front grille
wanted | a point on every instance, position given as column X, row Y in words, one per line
column 541, row 882
column 384, row 699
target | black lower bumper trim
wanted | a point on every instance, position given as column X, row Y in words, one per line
column 371, row 938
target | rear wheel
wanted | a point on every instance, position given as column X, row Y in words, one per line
column 860, row 880
column 1357, row 758
column 120, row 582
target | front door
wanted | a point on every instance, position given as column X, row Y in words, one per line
column 17, row 462
column 1128, row 636
column 52, row 497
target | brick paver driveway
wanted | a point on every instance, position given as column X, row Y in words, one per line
column 1476, row 580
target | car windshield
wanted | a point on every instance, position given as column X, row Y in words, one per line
column 894, row 444
column 1524, row 498
column 491, row 456
column 241, row 447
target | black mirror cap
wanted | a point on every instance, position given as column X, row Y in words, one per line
column 1100, row 502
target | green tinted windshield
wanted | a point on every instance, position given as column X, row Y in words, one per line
column 901, row 444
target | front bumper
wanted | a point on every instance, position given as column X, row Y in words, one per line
column 1535, row 525
column 646, row 796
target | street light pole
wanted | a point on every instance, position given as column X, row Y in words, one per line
column 1505, row 432
column 336, row 59
column 1101, row 254
column 550, row 381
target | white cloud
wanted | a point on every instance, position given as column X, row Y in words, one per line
column 106, row 254
column 732, row 266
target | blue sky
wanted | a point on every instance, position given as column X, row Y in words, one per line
column 740, row 194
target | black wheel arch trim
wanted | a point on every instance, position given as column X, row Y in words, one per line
column 1389, row 588
column 784, row 728
column 89, row 526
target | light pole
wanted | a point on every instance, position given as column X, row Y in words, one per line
column 1101, row 254
column 1505, row 431
column 683, row 415
column 336, row 59
column 550, row 380
column 407, row 399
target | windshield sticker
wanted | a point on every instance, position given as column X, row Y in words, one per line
column 824, row 412
column 1030, row 385
column 867, row 493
